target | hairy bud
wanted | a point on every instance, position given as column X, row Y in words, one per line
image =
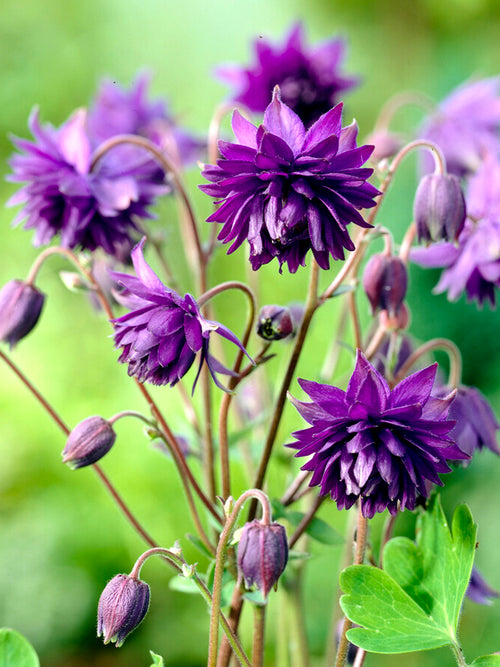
column 88, row 442
column 385, row 281
column 262, row 554
column 122, row 606
column 20, row 308
column 275, row 323
column 439, row 208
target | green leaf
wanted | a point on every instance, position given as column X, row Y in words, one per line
column 16, row 651
column 393, row 622
column 322, row 532
column 182, row 585
column 415, row 602
column 195, row 540
column 486, row 661
column 157, row 660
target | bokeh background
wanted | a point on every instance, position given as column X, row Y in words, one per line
column 61, row 538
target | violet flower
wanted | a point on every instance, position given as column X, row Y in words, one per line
column 288, row 190
column 478, row 590
column 119, row 111
column 63, row 196
column 122, row 606
column 473, row 265
column 465, row 125
column 163, row 331
column 374, row 443
column 310, row 78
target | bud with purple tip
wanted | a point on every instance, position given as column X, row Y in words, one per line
column 262, row 554
column 385, row 281
column 88, row 442
column 20, row 308
column 439, row 208
column 274, row 323
column 122, row 606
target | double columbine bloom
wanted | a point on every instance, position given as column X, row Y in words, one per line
column 288, row 190
column 375, row 444
column 163, row 331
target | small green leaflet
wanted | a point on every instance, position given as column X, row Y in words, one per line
column 318, row 529
column 16, row 651
column 486, row 661
column 414, row 603
column 157, row 660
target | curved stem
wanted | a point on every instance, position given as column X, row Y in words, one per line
column 289, row 496
column 407, row 242
column 437, row 154
column 359, row 556
column 129, row 413
column 220, row 560
column 306, row 520
column 398, row 101
column 449, row 347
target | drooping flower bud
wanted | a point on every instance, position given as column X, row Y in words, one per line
column 262, row 554
column 122, row 606
column 20, row 308
column 385, row 281
column 88, row 442
column 274, row 323
column 439, row 208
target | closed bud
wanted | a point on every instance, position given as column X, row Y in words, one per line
column 20, row 308
column 274, row 323
column 439, row 208
column 122, row 606
column 262, row 554
column 88, row 442
column 385, row 281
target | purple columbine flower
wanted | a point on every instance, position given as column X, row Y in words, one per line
column 119, row 111
column 473, row 265
column 478, row 590
column 465, row 125
column 122, row 606
column 288, row 190
column 310, row 78
column 374, row 443
column 88, row 208
column 475, row 422
column 163, row 331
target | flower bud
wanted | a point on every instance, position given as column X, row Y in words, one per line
column 262, row 554
column 88, row 442
column 274, row 323
column 385, row 281
column 439, row 208
column 20, row 308
column 122, row 606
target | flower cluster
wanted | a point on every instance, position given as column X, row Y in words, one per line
column 163, row 331
column 310, row 79
column 373, row 443
column 288, row 190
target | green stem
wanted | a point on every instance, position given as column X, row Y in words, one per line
column 259, row 624
column 459, row 654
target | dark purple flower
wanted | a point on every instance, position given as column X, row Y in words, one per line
column 475, row 422
column 163, row 331
column 287, row 190
column 275, row 322
column 474, row 264
column 465, row 125
column 310, row 79
column 118, row 111
column 87, row 208
column 88, row 442
column 122, row 606
column 262, row 554
column 20, row 308
column 385, row 280
column 478, row 590
column 374, row 443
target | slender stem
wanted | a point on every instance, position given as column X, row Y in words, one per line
column 349, row 265
column 220, row 559
column 407, row 242
column 398, row 101
column 129, row 413
column 98, row 470
column 360, row 658
column 310, row 308
column 376, row 341
column 259, row 624
column 355, row 319
column 359, row 556
column 445, row 344
column 459, row 654
column 305, row 521
column 386, row 536
column 289, row 496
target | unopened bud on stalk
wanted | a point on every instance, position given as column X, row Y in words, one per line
column 20, row 308
column 274, row 323
column 262, row 554
column 385, row 281
column 439, row 208
column 88, row 442
column 122, row 606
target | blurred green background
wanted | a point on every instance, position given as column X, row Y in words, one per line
column 61, row 538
